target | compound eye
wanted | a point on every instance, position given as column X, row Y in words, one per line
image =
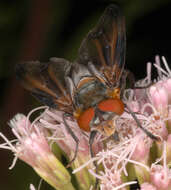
column 85, row 118
column 112, row 105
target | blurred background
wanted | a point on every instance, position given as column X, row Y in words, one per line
column 40, row 29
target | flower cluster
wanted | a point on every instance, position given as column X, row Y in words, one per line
column 141, row 156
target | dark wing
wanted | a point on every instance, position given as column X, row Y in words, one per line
column 46, row 81
column 105, row 45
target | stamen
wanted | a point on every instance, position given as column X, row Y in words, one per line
column 32, row 187
column 15, row 132
column 13, row 162
column 57, row 116
column 40, row 184
column 157, row 60
column 84, row 165
column 145, row 106
column 166, row 65
column 95, row 174
column 124, row 185
column 11, row 147
column 48, row 125
column 149, row 72
column 4, row 145
column 129, row 153
column 161, row 69
column 132, row 161
column 37, row 119
column 31, row 112
column 55, row 138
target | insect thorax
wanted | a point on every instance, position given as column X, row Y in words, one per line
column 90, row 94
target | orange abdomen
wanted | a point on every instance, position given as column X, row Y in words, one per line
column 109, row 105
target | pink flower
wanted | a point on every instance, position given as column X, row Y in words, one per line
column 53, row 119
column 147, row 186
column 32, row 147
column 160, row 177
column 142, row 151
column 159, row 97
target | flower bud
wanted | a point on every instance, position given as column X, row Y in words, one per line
column 33, row 148
column 147, row 186
column 160, row 177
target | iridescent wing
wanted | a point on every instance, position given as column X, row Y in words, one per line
column 46, row 81
column 105, row 45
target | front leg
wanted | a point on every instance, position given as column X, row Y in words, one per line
column 91, row 140
column 73, row 136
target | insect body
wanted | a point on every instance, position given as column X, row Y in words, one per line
column 90, row 88
column 93, row 100
column 97, row 73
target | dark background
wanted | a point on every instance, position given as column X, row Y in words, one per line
column 40, row 29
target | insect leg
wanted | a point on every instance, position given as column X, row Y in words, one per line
column 127, row 81
column 73, row 136
column 115, row 136
column 142, row 87
column 149, row 134
column 91, row 140
column 131, row 81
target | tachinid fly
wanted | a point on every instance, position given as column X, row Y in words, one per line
column 90, row 88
